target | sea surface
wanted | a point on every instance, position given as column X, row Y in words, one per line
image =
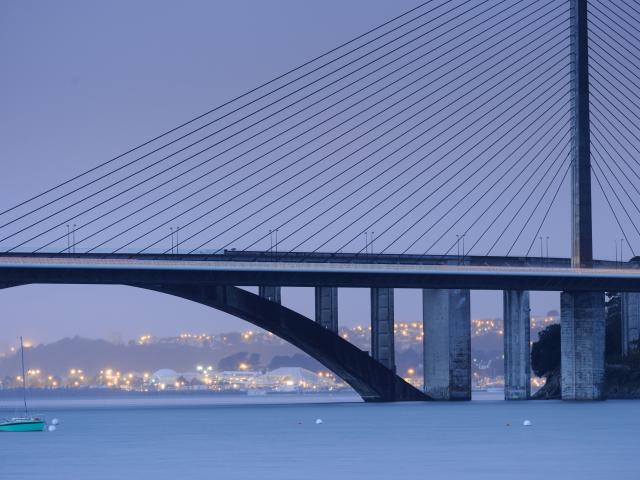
column 277, row 437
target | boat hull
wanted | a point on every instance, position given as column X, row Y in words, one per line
column 26, row 426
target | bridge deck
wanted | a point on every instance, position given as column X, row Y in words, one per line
column 40, row 269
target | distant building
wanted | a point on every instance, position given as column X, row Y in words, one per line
column 288, row 379
column 165, row 377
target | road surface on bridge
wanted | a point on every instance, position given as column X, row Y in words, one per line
column 26, row 269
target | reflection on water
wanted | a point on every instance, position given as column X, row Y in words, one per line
column 178, row 438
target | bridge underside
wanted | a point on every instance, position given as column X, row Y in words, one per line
column 370, row 379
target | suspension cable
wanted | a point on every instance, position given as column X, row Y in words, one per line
column 243, row 95
column 184, row 240
column 219, row 179
column 434, row 177
column 615, row 215
column 157, row 162
column 503, row 191
column 353, row 192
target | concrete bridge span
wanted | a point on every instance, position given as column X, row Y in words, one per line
column 368, row 377
column 89, row 270
column 446, row 313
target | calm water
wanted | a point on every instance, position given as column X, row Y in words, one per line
column 150, row 439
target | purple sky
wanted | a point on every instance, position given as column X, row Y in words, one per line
column 84, row 81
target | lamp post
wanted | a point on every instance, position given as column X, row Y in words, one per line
column 547, row 246
column 541, row 251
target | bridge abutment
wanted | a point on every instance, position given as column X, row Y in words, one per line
column 327, row 307
column 447, row 344
column 382, row 327
column 630, row 316
column 273, row 294
column 582, row 338
column 517, row 357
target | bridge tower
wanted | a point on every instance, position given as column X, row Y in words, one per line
column 581, row 226
column 582, row 313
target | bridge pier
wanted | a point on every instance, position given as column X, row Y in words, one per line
column 582, row 331
column 447, row 344
column 382, row 327
column 327, row 308
column 517, row 356
column 272, row 294
column 630, row 312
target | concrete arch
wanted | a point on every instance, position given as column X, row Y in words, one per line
column 370, row 379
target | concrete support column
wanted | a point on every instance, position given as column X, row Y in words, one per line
column 517, row 355
column 630, row 309
column 327, row 307
column 270, row 293
column 446, row 318
column 582, row 329
column 382, row 327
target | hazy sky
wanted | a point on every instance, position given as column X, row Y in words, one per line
column 84, row 80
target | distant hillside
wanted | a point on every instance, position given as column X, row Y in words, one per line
column 94, row 355
column 227, row 351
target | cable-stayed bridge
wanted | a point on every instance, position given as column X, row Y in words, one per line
column 435, row 151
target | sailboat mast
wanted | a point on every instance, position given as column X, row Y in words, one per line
column 24, row 380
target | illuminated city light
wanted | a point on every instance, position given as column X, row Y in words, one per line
column 409, row 335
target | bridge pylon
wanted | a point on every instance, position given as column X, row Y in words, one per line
column 582, row 313
column 581, row 226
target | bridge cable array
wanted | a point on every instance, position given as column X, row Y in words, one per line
column 93, row 194
column 229, row 102
column 451, row 120
column 614, row 81
column 370, row 209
